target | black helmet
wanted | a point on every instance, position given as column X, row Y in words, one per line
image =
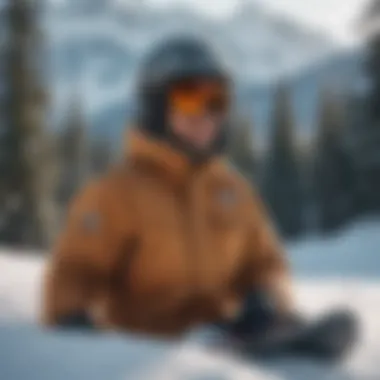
column 177, row 59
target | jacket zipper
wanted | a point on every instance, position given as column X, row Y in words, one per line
column 191, row 243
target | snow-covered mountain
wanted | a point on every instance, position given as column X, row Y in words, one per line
column 96, row 47
column 341, row 72
column 258, row 45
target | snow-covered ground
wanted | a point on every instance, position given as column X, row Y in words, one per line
column 343, row 270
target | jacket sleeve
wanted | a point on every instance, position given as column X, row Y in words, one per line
column 82, row 259
column 266, row 267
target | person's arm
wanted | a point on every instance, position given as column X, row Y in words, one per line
column 81, row 262
column 266, row 268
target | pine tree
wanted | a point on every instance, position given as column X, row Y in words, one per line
column 282, row 187
column 356, row 120
column 75, row 154
column 27, row 155
column 368, row 142
column 101, row 156
column 334, row 175
column 241, row 149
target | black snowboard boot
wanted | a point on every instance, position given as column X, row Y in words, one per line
column 260, row 332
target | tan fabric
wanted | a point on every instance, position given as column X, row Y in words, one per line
column 159, row 245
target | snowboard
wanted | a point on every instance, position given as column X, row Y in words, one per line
column 328, row 339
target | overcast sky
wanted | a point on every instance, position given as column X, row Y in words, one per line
column 335, row 17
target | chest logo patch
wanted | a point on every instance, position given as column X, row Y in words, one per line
column 227, row 197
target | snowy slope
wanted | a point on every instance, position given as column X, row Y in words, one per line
column 343, row 270
column 351, row 253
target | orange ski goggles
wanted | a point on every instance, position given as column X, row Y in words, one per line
column 194, row 97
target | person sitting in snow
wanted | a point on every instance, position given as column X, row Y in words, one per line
column 172, row 238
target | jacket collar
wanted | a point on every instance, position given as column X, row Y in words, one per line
column 159, row 154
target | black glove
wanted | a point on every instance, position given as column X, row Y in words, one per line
column 78, row 321
column 259, row 313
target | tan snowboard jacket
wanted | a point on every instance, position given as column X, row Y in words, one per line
column 159, row 245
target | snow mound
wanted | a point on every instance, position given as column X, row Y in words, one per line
column 341, row 271
column 349, row 253
column 20, row 285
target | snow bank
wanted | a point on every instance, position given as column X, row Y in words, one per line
column 20, row 285
column 343, row 270
column 351, row 253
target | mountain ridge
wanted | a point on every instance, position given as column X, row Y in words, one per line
column 97, row 54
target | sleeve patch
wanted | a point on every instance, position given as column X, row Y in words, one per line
column 91, row 222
